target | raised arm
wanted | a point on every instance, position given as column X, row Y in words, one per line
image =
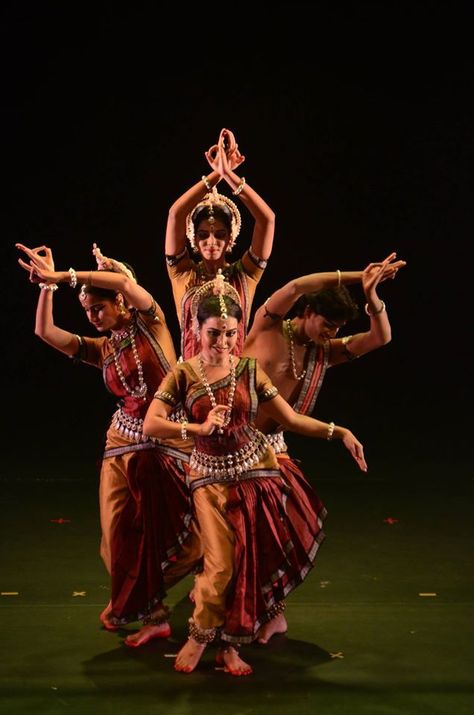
column 280, row 411
column 45, row 327
column 264, row 228
column 175, row 240
column 135, row 295
column 380, row 332
column 282, row 300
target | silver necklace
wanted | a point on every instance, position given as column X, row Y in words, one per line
column 140, row 391
column 212, row 399
column 289, row 330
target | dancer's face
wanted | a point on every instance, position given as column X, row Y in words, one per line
column 103, row 313
column 218, row 338
column 318, row 328
column 212, row 239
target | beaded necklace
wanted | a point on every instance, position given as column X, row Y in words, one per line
column 212, row 399
column 117, row 337
column 289, row 330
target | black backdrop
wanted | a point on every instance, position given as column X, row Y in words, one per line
column 357, row 130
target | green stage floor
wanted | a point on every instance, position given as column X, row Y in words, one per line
column 361, row 638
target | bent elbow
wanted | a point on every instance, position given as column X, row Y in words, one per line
column 271, row 218
column 172, row 215
column 148, row 426
column 41, row 334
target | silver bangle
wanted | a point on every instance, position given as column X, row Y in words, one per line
column 240, row 187
column 72, row 278
column 377, row 312
column 330, row 433
column 205, row 180
column 184, row 433
column 48, row 286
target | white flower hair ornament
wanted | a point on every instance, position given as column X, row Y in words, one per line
column 110, row 264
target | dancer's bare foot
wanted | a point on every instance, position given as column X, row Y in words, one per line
column 229, row 657
column 189, row 656
column 276, row 625
column 148, row 633
column 108, row 625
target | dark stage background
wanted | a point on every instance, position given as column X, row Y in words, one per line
column 357, row 130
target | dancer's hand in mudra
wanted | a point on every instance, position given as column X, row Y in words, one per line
column 215, row 419
column 41, row 264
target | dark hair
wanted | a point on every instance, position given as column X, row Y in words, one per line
column 331, row 303
column 221, row 212
column 210, row 307
column 105, row 293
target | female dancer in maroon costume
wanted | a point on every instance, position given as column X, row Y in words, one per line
column 144, row 502
column 254, row 533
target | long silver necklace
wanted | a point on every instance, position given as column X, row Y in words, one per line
column 212, row 399
column 140, row 391
column 289, row 330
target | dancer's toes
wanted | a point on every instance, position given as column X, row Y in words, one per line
column 189, row 656
column 108, row 625
column 276, row 625
column 229, row 657
column 148, row 633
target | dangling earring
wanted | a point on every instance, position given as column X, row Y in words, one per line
column 121, row 307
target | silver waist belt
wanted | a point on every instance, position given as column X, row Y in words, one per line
column 277, row 441
column 130, row 427
column 229, row 466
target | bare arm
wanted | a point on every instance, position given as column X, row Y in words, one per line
column 380, row 332
column 175, row 240
column 135, row 295
column 280, row 411
column 264, row 228
column 45, row 328
column 280, row 302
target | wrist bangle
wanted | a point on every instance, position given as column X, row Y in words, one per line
column 48, row 286
column 240, row 187
column 72, row 277
column 206, row 183
column 377, row 312
column 330, row 433
column 184, row 433
column 338, row 278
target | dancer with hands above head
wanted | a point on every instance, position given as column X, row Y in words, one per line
column 296, row 352
column 211, row 222
column 253, row 531
column 144, row 502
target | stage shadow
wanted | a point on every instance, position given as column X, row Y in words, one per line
column 282, row 663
